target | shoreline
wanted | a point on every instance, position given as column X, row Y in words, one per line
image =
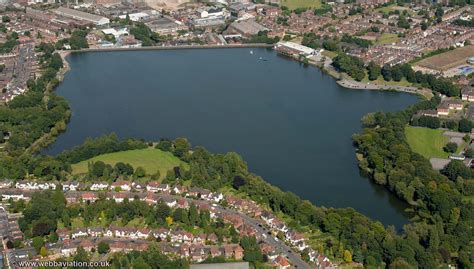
column 180, row 47
column 343, row 82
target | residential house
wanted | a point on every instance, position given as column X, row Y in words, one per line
column 122, row 185
column 89, row 197
column 238, row 252
column 100, row 186
column 70, row 186
column 281, row 262
column 81, row 232
column 71, row 198
column 467, row 93
column 6, row 184
column 95, row 231
column 86, row 245
column 63, row 234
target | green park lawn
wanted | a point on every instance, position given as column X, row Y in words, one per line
column 387, row 38
column 427, row 142
column 381, row 81
column 150, row 159
column 294, row 4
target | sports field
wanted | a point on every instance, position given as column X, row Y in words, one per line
column 294, row 4
column 150, row 159
column 427, row 142
column 449, row 59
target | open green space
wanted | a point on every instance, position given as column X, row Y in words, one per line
column 468, row 198
column 330, row 54
column 427, row 142
column 294, row 4
column 387, row 38
column 381, row 81
column 150, row 159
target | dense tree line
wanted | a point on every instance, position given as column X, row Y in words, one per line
column 152, row 258
column 78, row 40
column 467, row 23
column 10, row 43
column 146, row 35
column 442, row 219
column 445, row 218
column 354, row 67
column 96, row 146
column 351, row 65
column 364, row 43
column 38, row 113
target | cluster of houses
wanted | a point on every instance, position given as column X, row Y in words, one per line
column 113, row 231
column 295, row 239
column 444, row 108
column 175, row 197
column 118, row 191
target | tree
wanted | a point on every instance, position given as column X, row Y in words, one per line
column 139, row 263
column 387, row 72
column 182, row 146
column 374, row 71
column 103, row 247
column 164, row 145
column 347, row 256
column 193, row 214
column 450, row 147
column 140, row 172
column 43, row 251
column 456, row 168
column 81, row 255
column 465, row 125
column 37, row 243
column 469, row 153
column 238, row 182
column 169, row 220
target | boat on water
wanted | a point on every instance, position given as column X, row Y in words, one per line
column 262, row 59
column 251, row 52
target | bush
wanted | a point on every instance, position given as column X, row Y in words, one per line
column 450, row 147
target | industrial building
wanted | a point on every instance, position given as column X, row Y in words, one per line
column 245, row 28
column 294, row 49
column 82, row 16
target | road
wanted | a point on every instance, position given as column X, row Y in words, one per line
column 293, row 258
column 352, row 84
column 22, row 70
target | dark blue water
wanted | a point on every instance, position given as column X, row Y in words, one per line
column 292, row 124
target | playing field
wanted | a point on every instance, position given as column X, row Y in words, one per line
column 448, row 59
column 294, row 4
column 427, row 142
column 150, row 159
column 387, row 38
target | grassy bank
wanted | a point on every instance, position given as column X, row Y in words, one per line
column 294, row 4
column 150, row 159
column 427, row 142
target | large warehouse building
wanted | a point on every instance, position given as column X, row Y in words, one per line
column 83, row 16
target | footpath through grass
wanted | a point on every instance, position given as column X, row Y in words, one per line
column 150, row 159
column 427, row 142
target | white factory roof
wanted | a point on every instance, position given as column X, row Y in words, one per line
column 79, row 15
column 135, row 16
column 114, row 32
column 295, row 46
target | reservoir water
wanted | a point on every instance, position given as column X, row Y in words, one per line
column 292, row 124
